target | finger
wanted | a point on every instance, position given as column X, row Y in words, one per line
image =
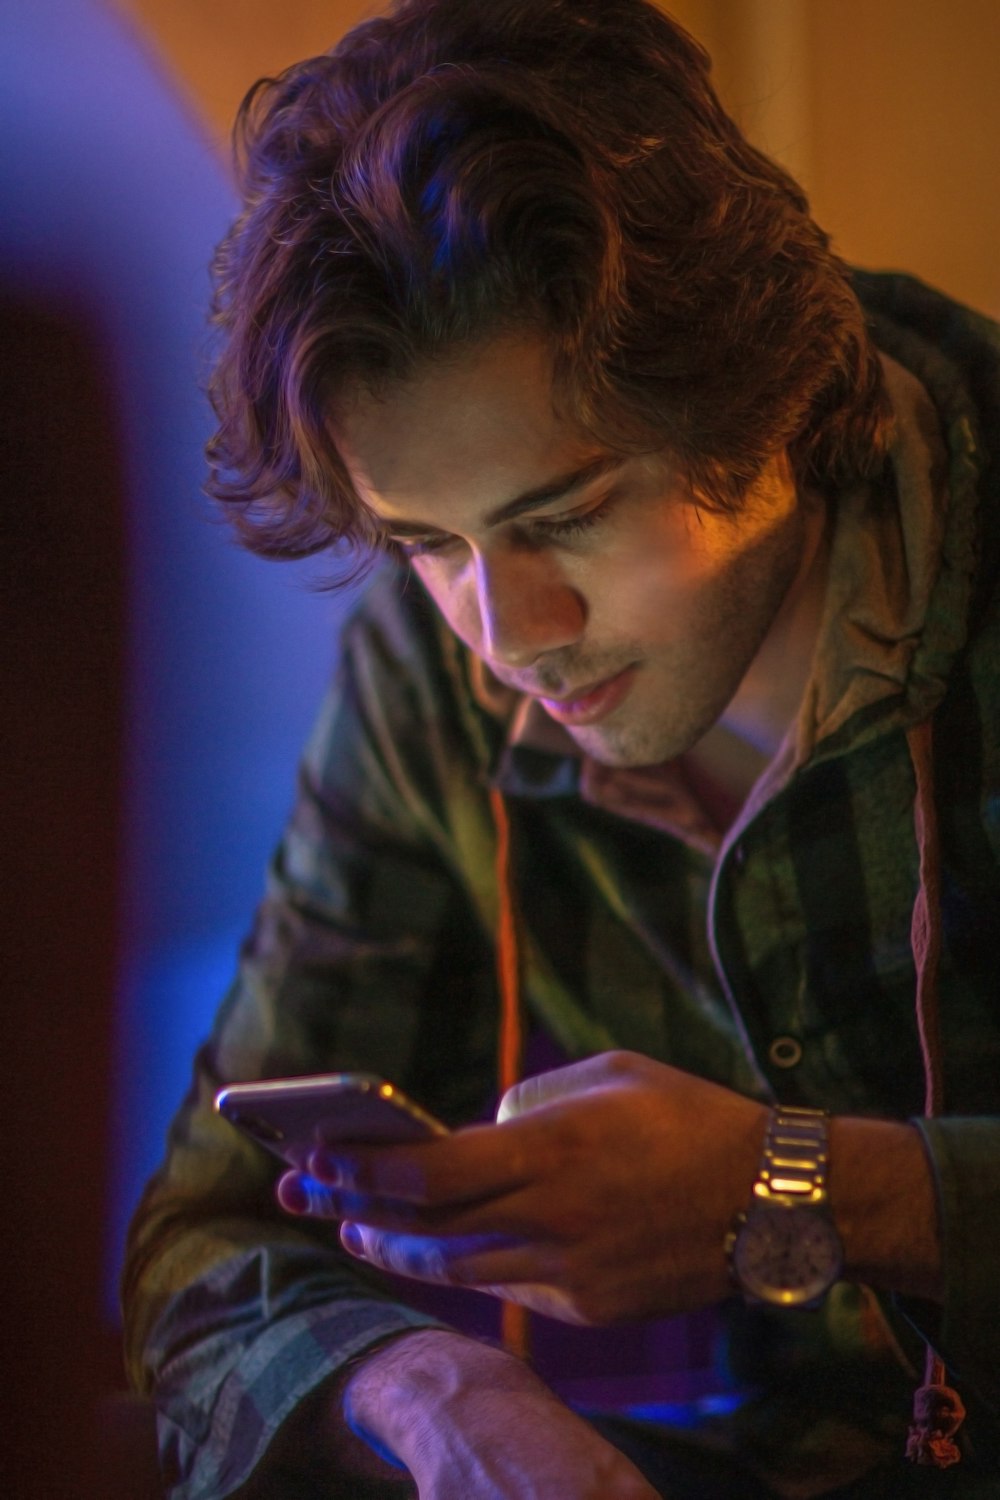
column 418, row 1256
column 498, row 1267
column 513, row 1273
column 575, row 1078
column 536, row 1213
column 480, row 1261
column 402, row 1254
column 302, row 1195
column 509, row 1273
column 481, row 1162
column 538, row 1297
column 521, row 1215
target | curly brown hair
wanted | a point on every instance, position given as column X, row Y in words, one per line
column 458, row 169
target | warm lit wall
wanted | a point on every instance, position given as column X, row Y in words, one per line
column 217, row 50
column 906, row 113
column 889, row 113
column 887, row 110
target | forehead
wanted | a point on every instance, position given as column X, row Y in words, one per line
column 466, row 434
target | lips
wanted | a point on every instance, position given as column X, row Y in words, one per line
column 593, row 703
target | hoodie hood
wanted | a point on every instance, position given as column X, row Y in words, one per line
column 906, row 561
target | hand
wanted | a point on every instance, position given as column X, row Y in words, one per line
column 468, row 1419
column 604, row 1193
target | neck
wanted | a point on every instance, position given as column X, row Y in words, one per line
column 729, row 758
column 768, row 698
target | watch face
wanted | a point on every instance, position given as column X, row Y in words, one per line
column 788, row 1256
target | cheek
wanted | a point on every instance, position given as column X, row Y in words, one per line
column 454, row 597
column 650, row 587
column 700, row 548
column 677, row 579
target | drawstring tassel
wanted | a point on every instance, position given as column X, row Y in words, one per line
column 938, row 1411
column 514, row 1329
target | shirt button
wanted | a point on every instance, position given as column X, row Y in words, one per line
column 785, row 1052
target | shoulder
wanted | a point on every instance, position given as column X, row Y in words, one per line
column 944, row 322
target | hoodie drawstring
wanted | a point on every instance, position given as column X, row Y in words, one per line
column 514, row 1329
column 937, row 1409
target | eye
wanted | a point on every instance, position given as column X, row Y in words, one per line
column 419, row 546
column 561, row 528
column 537, row 531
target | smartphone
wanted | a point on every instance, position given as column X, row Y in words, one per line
column 291, row 1117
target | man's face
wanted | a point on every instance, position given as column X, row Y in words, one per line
column 593, row 583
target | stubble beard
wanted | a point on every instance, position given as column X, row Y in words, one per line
column 693, row 690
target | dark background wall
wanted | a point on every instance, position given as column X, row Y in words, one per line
column 62, row 623
column 156, row 684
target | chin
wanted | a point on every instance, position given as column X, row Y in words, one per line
column 623, row 751
column 629, row 745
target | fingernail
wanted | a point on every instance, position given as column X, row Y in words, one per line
column 327, row 1168
column 352, row 1239
column 293, row 1196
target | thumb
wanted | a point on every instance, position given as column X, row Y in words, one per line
column 559, row 1083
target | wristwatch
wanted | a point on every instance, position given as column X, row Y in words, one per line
column 785, row 1249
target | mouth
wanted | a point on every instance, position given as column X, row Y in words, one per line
column 593, row 702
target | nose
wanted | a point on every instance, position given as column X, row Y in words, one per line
column 526, row 605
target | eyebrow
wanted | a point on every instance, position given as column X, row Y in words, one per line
column 529, row 500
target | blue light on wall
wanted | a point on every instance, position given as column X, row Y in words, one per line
column 114, row 201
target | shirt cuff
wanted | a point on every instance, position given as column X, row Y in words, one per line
column 276, row 1373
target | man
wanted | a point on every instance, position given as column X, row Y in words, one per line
column 679, row 687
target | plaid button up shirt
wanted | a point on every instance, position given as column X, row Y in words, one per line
column 373, row 947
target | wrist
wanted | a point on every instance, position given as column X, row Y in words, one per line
column 409, row 1389
column 885, row 1206
column 784, row 1249
column 315, row 1446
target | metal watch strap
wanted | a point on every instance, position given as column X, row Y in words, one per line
column 795, row 1157
column 784, row 1250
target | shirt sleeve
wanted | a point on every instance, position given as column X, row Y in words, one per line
column 965, row 1158
column 370, row 951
